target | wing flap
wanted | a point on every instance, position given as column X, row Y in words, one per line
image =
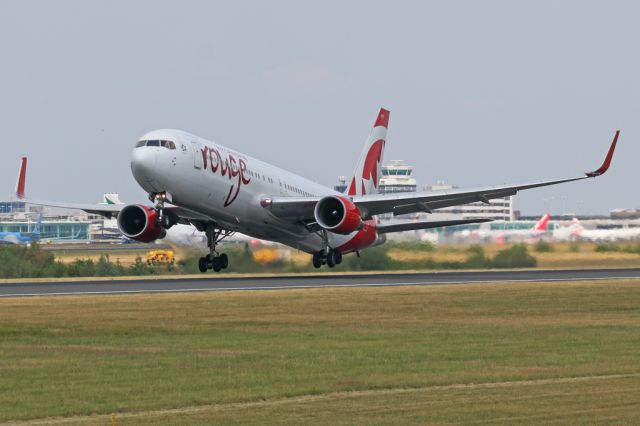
column 412, row 226
column 291, row 208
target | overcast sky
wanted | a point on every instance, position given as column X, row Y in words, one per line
column 480, row 92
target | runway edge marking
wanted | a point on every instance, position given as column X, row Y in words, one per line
column 313, row 286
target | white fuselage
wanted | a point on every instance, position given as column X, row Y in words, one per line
column 575, row 231
column 227, row 187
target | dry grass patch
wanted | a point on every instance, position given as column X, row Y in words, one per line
column 441, row 255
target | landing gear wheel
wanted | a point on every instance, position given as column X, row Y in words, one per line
column 317, row 259
column 214, row 236
column 331, row 259
column 224, row 261
column 216, row 264
column 338, row 256
column 203, row 264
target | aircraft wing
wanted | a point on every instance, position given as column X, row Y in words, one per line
column 106, row 210
column 112, row 210
column 412, row 226
column 411, row 202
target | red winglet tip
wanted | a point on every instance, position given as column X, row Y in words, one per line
column 607, row 161
column 383, row 118
column 21, row 178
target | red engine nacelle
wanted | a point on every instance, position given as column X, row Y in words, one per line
column 366, row 237
column 137, row 222
column 338, row 214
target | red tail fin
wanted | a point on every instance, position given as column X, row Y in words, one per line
column 542, row 224
column 22, row 175
column 365, row 177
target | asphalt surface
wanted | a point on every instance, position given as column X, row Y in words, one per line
column 210, row 282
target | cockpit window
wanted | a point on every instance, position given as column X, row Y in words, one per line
column 154, row 142
column 168, row 144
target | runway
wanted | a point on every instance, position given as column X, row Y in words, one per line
column 213, row 283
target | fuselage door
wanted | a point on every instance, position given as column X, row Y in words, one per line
column 197, row 155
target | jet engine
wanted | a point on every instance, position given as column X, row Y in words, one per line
column 138, row 222
column 338, row 214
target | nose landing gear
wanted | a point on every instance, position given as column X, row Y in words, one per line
column 165, row 218
column 213, row 260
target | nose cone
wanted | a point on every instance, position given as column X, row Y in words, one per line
column 143, row 167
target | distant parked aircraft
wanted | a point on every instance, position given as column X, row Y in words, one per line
column 539, row 229
column 22, row 237
column 576, row 231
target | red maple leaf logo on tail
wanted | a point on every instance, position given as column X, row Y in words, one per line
column 374, row 157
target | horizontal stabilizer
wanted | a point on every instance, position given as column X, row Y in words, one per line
column 412, row 226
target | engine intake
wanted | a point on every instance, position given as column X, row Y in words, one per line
column 138, row 222
column 338, row 214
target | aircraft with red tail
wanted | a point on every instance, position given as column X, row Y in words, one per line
column 191, row 180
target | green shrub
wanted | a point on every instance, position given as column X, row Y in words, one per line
column 105, row 268
column 141, row 268
column 477, row 259
column 632, row 248
column 516, row 256
column 26, row 261
column 607, row 248
column 81, row 268
column 543, row 247
column 373, row 259
column 574, row 247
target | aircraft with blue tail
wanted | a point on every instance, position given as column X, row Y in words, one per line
column 22, row 237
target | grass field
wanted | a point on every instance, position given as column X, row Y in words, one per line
column 488, row 354
column 564, row 255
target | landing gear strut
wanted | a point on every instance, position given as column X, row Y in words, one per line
column 165, row 218
column 330, row 257
column 213, row 260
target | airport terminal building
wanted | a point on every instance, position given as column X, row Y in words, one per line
column 52, row 230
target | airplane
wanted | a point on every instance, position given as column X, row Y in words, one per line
column 539, row 229
column 221, row 191
column 576, row 231
column 22, row 237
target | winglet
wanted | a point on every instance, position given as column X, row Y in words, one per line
column 383, row 118
column 607, row 160
column 22, row 175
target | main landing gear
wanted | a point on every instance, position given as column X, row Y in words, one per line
column 213, row 260
column 330, row 257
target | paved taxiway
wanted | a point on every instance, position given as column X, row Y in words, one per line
column 213, row 283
